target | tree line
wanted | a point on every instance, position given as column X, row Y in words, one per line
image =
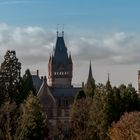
column 99, row 112
column 21, row 115
column 103, row 112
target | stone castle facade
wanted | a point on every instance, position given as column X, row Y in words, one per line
column 56, row 92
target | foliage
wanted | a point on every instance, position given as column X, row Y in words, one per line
column 10, row 71
column 127, row 128
column 27, row 86
column 80, row 95
column 3, row 93
column 8, row 121
column 32, row 121
column 98, row 114
column 80, row 119
column 90, row 88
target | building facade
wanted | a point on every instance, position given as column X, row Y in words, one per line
column 56, row 93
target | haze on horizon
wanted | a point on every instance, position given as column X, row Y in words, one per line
column 105, row 32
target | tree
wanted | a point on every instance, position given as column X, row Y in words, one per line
column 80, row 123
column 127, row 128
column 26, row 87
column 31, row 123
column 90, row 87
column 80, row 95
column 3, row 93
column 9, row 114
column 10, row 71
column 98, row 114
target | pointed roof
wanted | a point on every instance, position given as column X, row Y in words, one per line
column 45, row 96
column 60, row 51
column 108, row 85
column 108, row 78
column 90, row 77
column 70, row 59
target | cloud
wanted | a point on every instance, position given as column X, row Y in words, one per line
column 115, row 48
column 34, row 45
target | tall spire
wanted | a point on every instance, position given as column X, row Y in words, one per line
column 90, row 85
column 108, row 78
column 90, row 73
column 108, row 85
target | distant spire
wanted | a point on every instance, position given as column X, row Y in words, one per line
column 90, row 73
column 108, row 78
column 108, row 85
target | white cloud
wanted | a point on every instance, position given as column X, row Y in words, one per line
column 34, row 45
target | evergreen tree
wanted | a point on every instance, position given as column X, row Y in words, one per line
column 9, row 114
column 80, row 123
column 80, row 95
column 98, row 114
column 32, row 121
column 10, row 70
column 109, row 103
column 26, row 87
column 2, row 90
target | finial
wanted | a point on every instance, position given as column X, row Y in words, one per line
column 62, row 30
column 57, row 29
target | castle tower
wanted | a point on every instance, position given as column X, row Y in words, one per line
column 60, row 66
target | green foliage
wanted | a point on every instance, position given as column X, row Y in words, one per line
column 80, row 95
column 8, row 121
column 98, row 114
column 80, row 119
column 26, row 87
column 31, row 123
column 10, row 71
column 2, row 90
column 90, row 88
column 127, row 128
column 106, row 106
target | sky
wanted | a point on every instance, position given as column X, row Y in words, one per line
column 107, row 32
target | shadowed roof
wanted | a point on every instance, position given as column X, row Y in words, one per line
column 60, row 52
column 45, row 97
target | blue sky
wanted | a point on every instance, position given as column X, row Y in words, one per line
column 105, row 31
column 83, row 14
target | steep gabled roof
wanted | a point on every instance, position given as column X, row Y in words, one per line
column 60, row 51
column 45, row 96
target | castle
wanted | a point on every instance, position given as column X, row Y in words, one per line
column 56, row 92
